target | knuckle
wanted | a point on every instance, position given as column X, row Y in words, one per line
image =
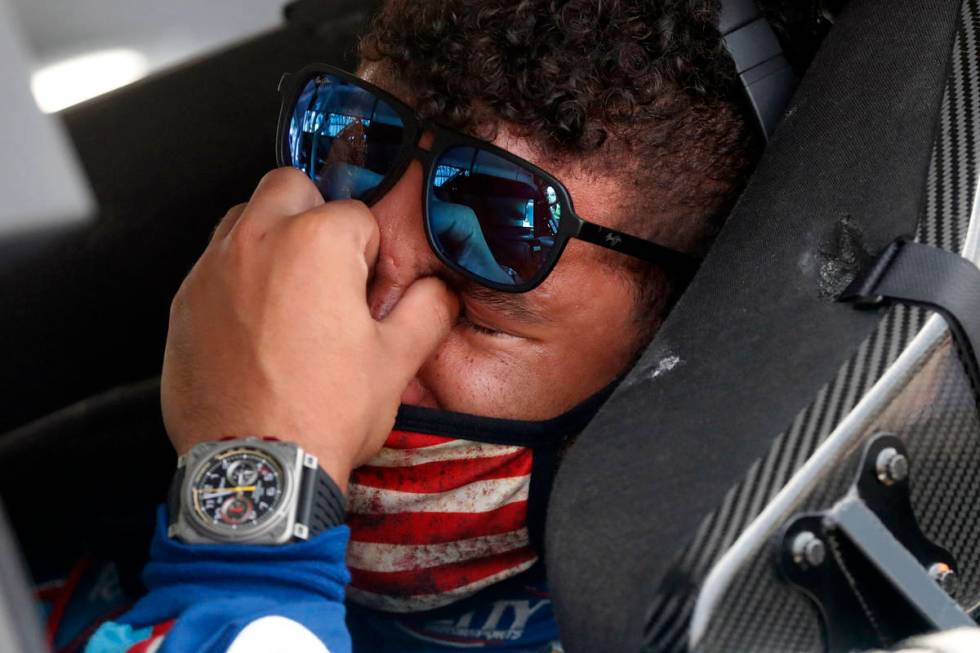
column 288, row 181
column 361, row 221
column 340, row 221
column 241, row 237
column 309, row 226
column 178, row 303
column 232, row 215
column 238, row 241
column 356, row 207
column 285, row 176
column 232, row 212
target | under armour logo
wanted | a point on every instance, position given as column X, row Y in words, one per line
column 613, row 240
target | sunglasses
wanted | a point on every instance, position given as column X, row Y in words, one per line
column 489, row 215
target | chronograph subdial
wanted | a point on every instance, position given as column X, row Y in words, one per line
column 238, row 488
column 242, row 472
column 237, row 510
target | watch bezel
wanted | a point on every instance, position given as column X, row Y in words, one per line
column 277, row 527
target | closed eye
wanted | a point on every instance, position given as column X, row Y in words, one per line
column 514, row 306
column 465, row 322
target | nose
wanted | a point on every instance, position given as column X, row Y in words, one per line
column 404, row 255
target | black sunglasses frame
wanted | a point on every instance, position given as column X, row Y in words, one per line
column 570, row 226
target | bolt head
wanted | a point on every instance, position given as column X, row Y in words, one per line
column 943, row 574
column 891, row 466
column 808, row 550
column 815, row 553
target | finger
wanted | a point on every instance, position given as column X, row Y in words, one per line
column 282, row 193
column 366, row 225
column 345, row 225
column 228, row 222
column 419, row 324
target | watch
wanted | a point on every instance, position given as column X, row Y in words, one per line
column 251, row 491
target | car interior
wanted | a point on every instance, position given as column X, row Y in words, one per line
column 754, row 420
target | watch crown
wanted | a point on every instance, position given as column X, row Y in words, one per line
column 309, row 460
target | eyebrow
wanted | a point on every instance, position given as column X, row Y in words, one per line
column 514, row 305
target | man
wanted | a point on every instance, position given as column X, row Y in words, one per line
column 311, row 321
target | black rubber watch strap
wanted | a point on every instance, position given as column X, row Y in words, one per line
column 321, row 503
column 173, row 495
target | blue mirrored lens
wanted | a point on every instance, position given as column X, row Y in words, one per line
column 343, row 137
column 493, row 218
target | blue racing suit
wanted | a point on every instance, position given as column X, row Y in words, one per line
column 239, row 598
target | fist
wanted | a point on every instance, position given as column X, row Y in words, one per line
column 271, row 335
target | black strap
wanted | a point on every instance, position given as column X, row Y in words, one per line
column 173, row 495
column 767, row 76
column 907, row 272
column 321, row 503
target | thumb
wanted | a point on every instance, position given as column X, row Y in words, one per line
column 419, row 323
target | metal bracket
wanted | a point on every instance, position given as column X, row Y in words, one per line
column 874, row 576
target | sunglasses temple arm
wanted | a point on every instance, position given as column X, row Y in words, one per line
column 636, row 247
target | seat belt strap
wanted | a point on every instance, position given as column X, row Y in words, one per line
column 911, row 273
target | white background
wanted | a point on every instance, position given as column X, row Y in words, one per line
column 165, row 31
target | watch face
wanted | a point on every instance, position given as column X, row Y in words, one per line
column 238, row 488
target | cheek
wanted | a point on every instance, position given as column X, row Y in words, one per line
column 522, row 379
column 483, row 378
column 590, row 342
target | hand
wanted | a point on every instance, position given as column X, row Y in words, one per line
column 271, row 335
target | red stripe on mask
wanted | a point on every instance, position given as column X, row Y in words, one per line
column 444, row 475
column 409, row 440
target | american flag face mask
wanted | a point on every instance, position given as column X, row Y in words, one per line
column 451, row 505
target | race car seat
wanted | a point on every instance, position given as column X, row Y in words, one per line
column 764, row 400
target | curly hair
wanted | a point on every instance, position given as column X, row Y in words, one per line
column 645, row 83
column 643, row 88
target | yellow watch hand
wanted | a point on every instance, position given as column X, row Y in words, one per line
column 226, row 490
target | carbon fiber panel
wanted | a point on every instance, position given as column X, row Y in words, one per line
column 950, row 192
column 936, row 415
